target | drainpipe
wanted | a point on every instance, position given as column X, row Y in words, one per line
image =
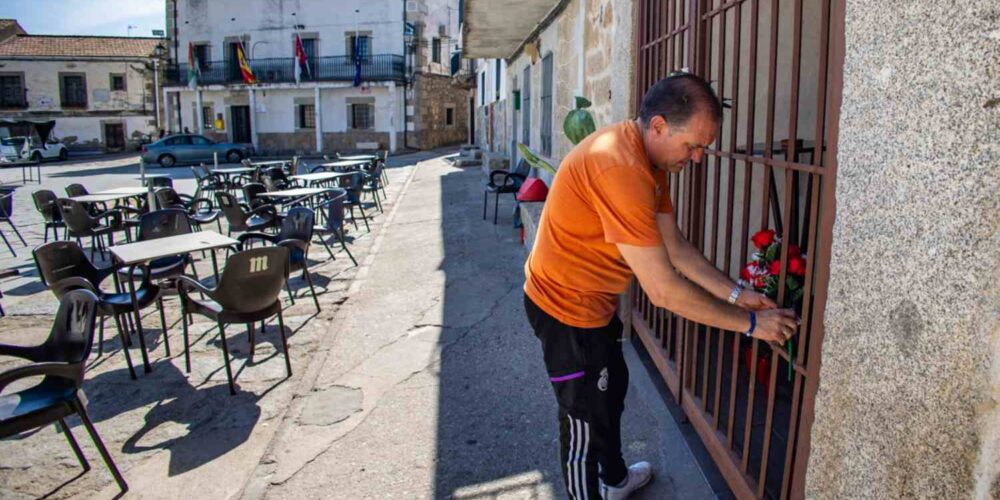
column 406, row 86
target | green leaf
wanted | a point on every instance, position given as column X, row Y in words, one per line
column 582, row 102
column 773, row 252
column 792, row 282
column 534, row 160
column 797, row 294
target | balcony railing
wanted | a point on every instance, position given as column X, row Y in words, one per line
column 383, row 67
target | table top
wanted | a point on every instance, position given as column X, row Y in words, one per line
column 234, row 170
column 359, row 157
column 130, row 191
column 152, row 176
column 345, row 163
column 145, row 251
column 269, row 162
column 321, row 176
column 295, row 193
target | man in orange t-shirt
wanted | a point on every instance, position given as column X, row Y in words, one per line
column 609, row 216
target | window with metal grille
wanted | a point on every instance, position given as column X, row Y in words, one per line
column 73, row 91
column 526, row 108
column 362, row 116
column 307, row 116
column 12, row 91
column 496, row 83
column 117, row 82
column 436, row 50
column 546, row 131
column 449, row 116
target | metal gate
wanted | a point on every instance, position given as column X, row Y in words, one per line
column 777, row 65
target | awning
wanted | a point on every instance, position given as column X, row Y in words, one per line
column 42, row 127
column 494, row 29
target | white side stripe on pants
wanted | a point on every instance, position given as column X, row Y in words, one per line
column 576, row 463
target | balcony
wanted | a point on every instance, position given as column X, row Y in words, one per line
column 376, row 68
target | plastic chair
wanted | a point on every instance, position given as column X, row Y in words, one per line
column 161, row 224
column 45, row 203
column 296, row 234
column 6, row 212
column 373, row 183
column 242, row 220
column 81, row 223
column 353, row 185
column 61, row 361
column 247, row 292
column 208, row 182
column 73, row 190
column 63, row 267
column 251, row 195
column 160, row 182
column 334, row 222
column 200, row 211
column 502, row 181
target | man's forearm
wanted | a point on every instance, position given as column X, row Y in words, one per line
column 694, row 266
column 696, row 304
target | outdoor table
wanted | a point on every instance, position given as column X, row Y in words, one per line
column 358, row 157
column 227, row 171
column 142, row 252
column 345, row 163
column 318, row 177
column 110, row 195
column 28, row 170
column 130, row 191
column 269, row 163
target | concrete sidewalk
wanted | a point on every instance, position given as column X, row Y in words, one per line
column 433, row 384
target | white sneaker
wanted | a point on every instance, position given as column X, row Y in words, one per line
column 639, row 475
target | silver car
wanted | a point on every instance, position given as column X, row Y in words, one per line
column 192, row 148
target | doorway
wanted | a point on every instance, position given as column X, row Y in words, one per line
column 240, row 120
column 114, row 136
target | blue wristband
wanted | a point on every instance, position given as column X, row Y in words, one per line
column 753, row 324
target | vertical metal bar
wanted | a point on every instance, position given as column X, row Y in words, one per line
column 670, row 4
column 828, row 196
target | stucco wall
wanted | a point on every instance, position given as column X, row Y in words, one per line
column 910, row 380
column 272, row 23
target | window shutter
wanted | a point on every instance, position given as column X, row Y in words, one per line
column 350, row 116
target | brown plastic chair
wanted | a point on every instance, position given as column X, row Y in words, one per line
column 61, row 361
column 295, row 234
column 45, row 203
column 241, row 219
column 82, row 224
column 247, row 292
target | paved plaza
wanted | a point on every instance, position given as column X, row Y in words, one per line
column 419, row 378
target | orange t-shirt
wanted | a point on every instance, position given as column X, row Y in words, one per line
column 605, row 192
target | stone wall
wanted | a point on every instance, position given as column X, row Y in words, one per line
column 304, row 142
column 909, row 396
column 433, row 95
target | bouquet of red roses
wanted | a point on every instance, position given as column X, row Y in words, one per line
column 762, row 274
column 764, row 269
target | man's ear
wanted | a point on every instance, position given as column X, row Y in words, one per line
column 658, row 125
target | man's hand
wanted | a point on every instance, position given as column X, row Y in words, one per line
column 776, row 325
column 755, row 301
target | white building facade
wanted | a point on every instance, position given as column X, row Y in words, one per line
column 100, row 91
column 327, row 110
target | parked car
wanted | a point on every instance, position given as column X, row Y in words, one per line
column 192, row 148
column 24, row 148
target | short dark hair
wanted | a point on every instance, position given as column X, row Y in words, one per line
column 677, row 98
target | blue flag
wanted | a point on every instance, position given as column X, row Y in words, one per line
column 357, row 60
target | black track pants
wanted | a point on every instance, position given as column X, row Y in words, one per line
column 590, row 379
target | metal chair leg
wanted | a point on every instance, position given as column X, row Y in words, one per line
column 124, row 339
column 496, row 206
column 486, row 197
column 305, row 273
column 82, row 411
column 291, row 298
column 163, row 325
column 284, row 342
column 18, row 233
column 76, row 447
column 343, row 244
column 225, row 357
column 187, row 344
column 100, row 338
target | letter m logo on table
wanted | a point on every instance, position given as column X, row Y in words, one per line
column 258, row 264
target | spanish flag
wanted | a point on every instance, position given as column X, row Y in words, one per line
column 245, row 70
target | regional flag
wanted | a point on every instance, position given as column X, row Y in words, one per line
column 194, row 67
column 301, row 60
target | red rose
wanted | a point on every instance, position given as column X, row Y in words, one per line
column 762, row 239
column 774, row 268
column 797, row 266
column 794, row 250
column 746, row 274
column 759, row 283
